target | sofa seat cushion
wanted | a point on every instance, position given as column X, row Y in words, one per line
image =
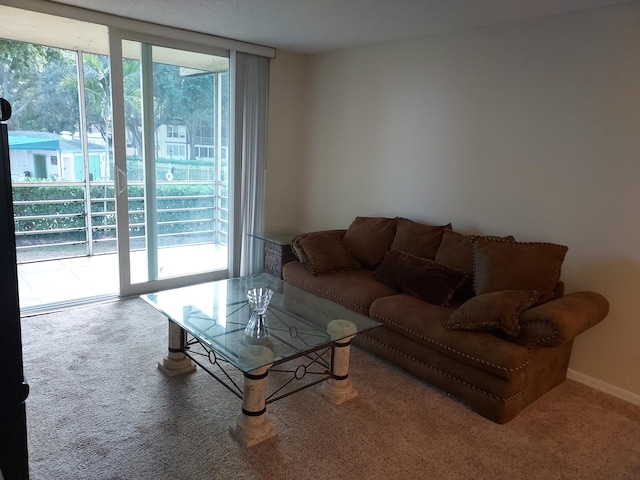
column 424, row 323
column 355, row 289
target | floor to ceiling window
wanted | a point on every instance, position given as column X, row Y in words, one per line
column 61, row 171
column 129, row 142
column 91, row 221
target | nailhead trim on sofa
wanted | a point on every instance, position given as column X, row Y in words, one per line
column 444, row 374
column 475, row 359
column 328, row 294
column 544, row 339
column 465, row 355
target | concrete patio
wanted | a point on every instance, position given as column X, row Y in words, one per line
column 47, row 285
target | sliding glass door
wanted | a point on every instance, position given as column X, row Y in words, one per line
column 171, row 147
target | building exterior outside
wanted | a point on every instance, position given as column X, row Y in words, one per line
column 56, row 157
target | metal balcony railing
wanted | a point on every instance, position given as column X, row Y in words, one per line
column 62, row 220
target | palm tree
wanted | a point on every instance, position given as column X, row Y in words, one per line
column 97, row 86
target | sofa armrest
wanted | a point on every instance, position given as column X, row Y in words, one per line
column 560, row 320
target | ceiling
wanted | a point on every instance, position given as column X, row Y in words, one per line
column 313, row 26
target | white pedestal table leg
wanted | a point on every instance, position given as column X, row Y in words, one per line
column 176, row 362
column 253, row 425
column 339, row 389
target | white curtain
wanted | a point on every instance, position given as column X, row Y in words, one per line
column 250, row 98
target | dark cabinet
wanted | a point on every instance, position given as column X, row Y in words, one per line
column 277, row 251
column 13, row 388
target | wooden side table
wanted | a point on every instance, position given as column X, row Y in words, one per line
column 277, row 250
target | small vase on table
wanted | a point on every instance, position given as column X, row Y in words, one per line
column 257, row 329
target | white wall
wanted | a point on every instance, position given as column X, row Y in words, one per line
column 285, row 151
column 531, row 129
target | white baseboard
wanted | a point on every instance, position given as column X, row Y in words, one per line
column 604, row 387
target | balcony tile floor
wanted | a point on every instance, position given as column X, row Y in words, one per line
column 64, row 280
column 54, row 282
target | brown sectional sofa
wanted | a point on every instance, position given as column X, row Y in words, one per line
column 483, row 318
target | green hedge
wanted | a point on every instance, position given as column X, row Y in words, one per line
column 52, row 213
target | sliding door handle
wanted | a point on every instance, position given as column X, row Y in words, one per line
column 121, row 178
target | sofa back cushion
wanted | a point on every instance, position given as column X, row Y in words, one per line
column 507, row 265
column 456, row 250
column 419, row 239
column 368, row 238
column 323, row 252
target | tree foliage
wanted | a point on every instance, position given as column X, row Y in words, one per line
column 186, row 100
column 29, row 83
column 97, row 89
column 42, row 82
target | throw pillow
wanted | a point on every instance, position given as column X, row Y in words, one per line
column 296, row 247
column 421, row 277
column 505, row 265
column 493, row 311
column 368, row 238
column 456, row 250
column 323, row 252
column 419, row 239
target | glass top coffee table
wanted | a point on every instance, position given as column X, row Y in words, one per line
column 307, row 340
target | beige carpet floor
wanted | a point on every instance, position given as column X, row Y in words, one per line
column 99, row 408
